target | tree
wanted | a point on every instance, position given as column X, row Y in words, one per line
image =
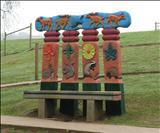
column 9, row 14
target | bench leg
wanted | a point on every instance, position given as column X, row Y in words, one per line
column 69, row 106
column 114, row 108
column 46, row 108
column 94, row 110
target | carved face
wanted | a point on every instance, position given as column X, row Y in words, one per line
column 92, row 65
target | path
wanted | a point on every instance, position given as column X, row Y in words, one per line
column 73, row 126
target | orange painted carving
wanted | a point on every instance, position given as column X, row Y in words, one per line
column 70, row 62
column 45, row 22
column 50, row 62
column 114, row 18
column 62, row 21
column 91, row 63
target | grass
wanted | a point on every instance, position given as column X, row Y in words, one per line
column 141, row 91
column 142, row 101
column 25, row 130
column 131, row 38
column 20, row 67
column 141, row 94
column 145, row 60
column 142, row 37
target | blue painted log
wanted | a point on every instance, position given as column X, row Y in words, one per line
column 87, row 21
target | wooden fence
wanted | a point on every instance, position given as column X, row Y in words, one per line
column 7, row 34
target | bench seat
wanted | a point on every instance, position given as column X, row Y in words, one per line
column 80, row 95
column 94, row 99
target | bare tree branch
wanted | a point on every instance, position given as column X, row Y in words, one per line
column 9, row 15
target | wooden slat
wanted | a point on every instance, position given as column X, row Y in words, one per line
column 86, row 95
column 74, row 92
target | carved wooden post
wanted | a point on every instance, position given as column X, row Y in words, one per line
column 49, row 71
column 90, row 59
column 113, row 69
column 70, row 54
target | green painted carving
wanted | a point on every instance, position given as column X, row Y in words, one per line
column 68, row 50
column 110, row 52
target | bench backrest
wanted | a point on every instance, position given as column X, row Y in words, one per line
column 90, row 50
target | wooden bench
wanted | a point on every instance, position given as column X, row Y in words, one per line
column 94, row 99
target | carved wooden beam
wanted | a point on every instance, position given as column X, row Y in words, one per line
column 86, row 21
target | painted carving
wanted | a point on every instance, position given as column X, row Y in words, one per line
column 45, row 22
column 49, row 52
column 68, row 70
column 88, row 51
column 114, row 18
column 48, row 73
column 110, row 53
column 95, row 19
column 88, row 68
column 86, row 21
column 113, row 72
column 68, row 50
column 62, row 21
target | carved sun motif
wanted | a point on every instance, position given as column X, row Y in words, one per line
column 88, row 51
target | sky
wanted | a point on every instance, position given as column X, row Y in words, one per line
column 143, row 13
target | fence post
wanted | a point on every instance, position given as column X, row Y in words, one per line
column 36, row 61
column 30, row 38
column 155, row 26
column 5, row 36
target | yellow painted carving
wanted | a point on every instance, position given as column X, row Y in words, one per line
column 88, row 51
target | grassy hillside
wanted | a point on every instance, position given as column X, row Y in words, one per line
column 20, row 67
column 131, row 38
column 141, row 95
column 141, row 91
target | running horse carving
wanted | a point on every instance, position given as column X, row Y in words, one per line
column 114, row 18
column 62, row 22
column 86, row 21
column 95, row 19
column 45, row 22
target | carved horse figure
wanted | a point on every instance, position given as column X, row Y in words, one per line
column 62, row 22
column 45, row 22
column 95, row 19
column 114, row 18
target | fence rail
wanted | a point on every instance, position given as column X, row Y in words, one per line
column 7, row 34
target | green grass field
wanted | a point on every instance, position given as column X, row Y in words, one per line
column 25, row 130
column 141, row 59
column 131, row 38
column 134, row 59
column 141, row 96
column 141, row 91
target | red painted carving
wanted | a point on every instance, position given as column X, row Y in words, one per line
column 50, row 58
column 70, row 54
column 112, row 56
column 90, row 57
